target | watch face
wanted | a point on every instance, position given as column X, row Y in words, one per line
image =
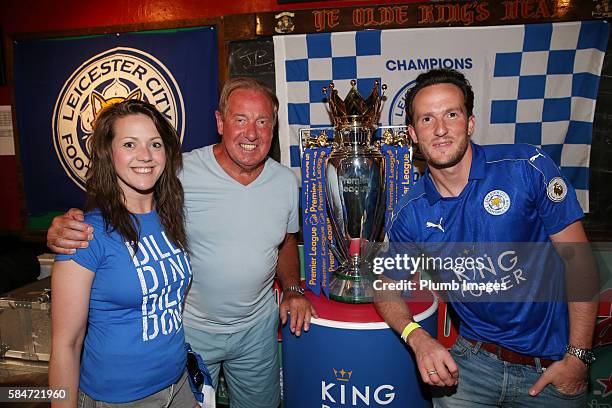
column 589, row 357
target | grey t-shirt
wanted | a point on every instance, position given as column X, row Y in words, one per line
column 234, row 232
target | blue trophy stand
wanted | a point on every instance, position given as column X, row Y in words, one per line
column 351, row 358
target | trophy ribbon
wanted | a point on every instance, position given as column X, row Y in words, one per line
column 316, row 229
column 399, row 175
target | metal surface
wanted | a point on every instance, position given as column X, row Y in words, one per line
column 355, row 185
column 25, row 322
column 355, row 188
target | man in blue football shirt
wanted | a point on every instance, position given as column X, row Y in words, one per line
column 524, row 352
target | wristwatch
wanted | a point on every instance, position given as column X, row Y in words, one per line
column 585, row 355
column 294, row 288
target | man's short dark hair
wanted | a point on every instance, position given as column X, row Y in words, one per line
column 440, row 76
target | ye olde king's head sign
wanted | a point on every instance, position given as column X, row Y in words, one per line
column 109, row 77
column 429, row 14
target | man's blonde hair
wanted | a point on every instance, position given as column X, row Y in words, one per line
column 246, row 83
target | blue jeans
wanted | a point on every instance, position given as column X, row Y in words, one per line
column 250, row 361
column 484, row 380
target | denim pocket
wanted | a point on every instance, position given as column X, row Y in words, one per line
column 554, row 390
column 461, row 347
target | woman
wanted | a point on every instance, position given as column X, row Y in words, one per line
column 120, row 300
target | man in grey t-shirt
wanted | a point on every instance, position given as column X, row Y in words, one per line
column 242, row 213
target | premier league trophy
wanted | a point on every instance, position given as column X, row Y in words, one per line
column 354, row 188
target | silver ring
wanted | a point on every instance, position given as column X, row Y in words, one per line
column 432, row 372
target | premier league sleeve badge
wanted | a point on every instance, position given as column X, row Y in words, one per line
column 556, row 189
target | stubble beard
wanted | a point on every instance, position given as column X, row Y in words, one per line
column 449, row 161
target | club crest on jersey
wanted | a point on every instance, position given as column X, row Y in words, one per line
column 496, row 202
column 556, row 189
column 109, row 77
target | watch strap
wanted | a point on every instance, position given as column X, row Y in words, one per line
column 585, row 355
column 294, row 288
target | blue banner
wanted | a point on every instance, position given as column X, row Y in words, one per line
column 61, row 84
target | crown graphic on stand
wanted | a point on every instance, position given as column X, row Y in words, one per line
column 354, row 111
column 342, row 375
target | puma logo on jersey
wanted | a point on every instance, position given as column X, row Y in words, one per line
column 534, row 157
column 432, row 225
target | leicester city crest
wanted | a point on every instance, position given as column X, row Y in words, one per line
column 107, row 78
column 496, row 202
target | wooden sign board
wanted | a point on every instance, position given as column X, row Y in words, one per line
column 430, row 14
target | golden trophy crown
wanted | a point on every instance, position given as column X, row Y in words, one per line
column 354, row 111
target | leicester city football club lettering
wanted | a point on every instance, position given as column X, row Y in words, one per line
column 62, row 83
column 349, row 189
column 109, row 77
column 162, row 271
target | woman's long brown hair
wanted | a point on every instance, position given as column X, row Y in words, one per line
column 104, row 192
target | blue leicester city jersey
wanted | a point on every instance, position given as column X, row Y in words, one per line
column 514, row 200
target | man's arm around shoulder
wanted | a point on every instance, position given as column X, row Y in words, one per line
column 68, row 232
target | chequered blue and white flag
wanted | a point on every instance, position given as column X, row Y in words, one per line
column 533, row 83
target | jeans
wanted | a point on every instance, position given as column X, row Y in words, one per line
column 484, row 380
column 250, row 360
column 177, row 395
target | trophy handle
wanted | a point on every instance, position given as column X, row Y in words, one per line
column 337, row 254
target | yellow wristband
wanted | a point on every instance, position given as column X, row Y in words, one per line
column 410, row 327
